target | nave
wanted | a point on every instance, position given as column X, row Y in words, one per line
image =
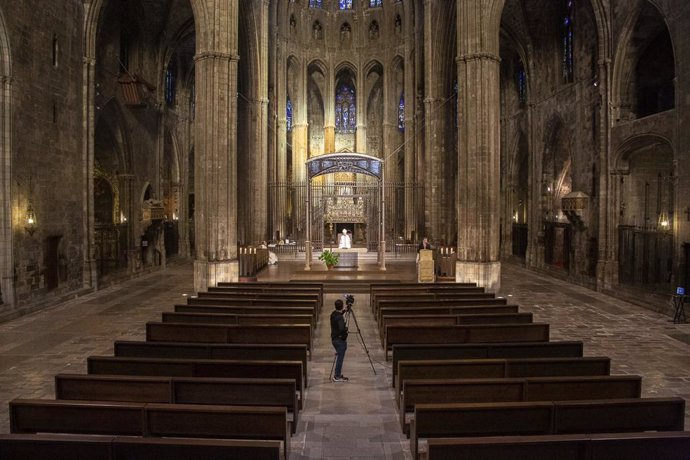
column 357, row 419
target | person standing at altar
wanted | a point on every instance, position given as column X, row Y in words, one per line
column 345, row 241
column 424, row 244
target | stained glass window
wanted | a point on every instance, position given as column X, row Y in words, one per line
column 170, row 81
column 375, row 3
column 345, row 109
column 288, row 117
column 568, row 35
column 521, row 80
column 345, row 4
column 315, row 3
column 401, row 113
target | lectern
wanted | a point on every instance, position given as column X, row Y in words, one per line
column 425, row 266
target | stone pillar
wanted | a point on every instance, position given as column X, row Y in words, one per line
column 89, row 271
column 478, row 147
column 434, row 133
column 410, row 100
column 258, row 207
column 216, row 149
column 609, row 189
column 6, row 243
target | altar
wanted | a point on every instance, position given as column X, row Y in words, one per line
column 348, row 258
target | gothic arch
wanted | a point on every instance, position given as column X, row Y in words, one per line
column 634, row 144
column 491, row 33
column 6, row 218
column 624, row 62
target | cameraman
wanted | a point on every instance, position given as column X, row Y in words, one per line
column 339, row 340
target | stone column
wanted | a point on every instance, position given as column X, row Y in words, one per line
column 410, row 100
column 89, row 271
column 216, row 149
column 478, row 147
column 6, row 243
column 609, row 191
column 258, row 207
column 434, row 133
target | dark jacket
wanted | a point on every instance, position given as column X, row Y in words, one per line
column 338, row 329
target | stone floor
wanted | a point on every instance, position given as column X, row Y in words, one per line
column 357, row 419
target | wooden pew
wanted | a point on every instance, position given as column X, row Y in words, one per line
column 274, row 303
column 237, row 319
column 672, row 445
column 427, row 391
column 73, row 447
column 272, row 288
column 452, row 320
column 278, row 296
column 475, row 333
column 376, row 288
column 217, row 333
column 150, row 420
column 411, row 302
column 500, row 368
column 245, row 310
column 230, row 351
column 190, row 390
column 438, row 312
column 543, row 418
column 422, row 352
column 197, row 368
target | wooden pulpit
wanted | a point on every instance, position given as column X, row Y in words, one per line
column 425, row 266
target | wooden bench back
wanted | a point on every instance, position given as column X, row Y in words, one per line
column 501, row 368
column 452, row 320
column 246, row 310
column 71, row 447
column 191, row 390
column 542, row 418
column 426, row 391
column 420, row 352
column 197, row 368
column 408, row 302
column 151, row 420
column 216, row 333
column 274, row 303
column 629, row 446
column 230, row 351
column 437, row 312
column 241, row 319
column 477, row 333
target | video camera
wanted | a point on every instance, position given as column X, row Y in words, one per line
column 349, row 300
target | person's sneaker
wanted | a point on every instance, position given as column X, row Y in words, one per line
column 340, row 378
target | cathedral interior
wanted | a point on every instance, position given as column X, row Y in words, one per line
column 546, row 133
column 542, row 142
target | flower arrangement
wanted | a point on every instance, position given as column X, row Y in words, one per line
column 330, row 258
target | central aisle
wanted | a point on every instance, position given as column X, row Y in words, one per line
column 355, row 419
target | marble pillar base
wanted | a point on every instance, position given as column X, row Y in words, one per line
column 485, row 274
column 211, row 273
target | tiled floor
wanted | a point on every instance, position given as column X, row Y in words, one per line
column 357, row 419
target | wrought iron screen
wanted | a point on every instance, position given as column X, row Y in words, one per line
column 288, row 210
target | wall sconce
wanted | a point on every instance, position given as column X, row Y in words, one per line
column 664, row 221
column 30, row 226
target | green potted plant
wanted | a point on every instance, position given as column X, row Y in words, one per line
column 330, row 258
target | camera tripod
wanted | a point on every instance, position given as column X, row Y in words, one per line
column 349, row 314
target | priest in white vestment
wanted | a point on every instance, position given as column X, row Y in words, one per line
column 345, row 240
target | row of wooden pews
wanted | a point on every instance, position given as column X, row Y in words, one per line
column 204, row 384
column 475, row 382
